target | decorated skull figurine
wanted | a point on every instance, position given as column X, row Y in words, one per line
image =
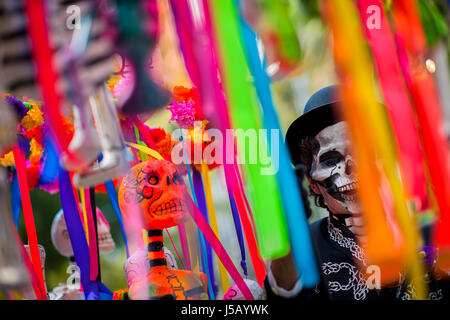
column 234, row 293
column 156, row 187
column 333, row 169
column 159, row 189
column 61, row 240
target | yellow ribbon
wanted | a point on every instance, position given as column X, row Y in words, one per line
column 83, row 208
column 193, row 244
column 213, row 220
column 153, row 153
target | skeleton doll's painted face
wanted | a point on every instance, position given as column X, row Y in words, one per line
column 158, row 189
column 333, row 169
column 61, row 240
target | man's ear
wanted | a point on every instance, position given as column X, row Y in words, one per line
column 314, row 186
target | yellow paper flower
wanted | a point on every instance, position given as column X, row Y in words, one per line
column 7, row 160
column 33, row 119
column 36, row 151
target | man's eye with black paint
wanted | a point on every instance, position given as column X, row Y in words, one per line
column 330, row 158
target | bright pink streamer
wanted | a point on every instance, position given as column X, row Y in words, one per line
column 201, row 62
column 397, row 101
column 220, row 251
column 231, row 170
column 175, row 249
column 184, row 246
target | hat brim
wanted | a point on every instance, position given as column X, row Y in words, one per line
column 309, row 125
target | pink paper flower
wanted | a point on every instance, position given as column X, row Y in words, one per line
column 183, row 113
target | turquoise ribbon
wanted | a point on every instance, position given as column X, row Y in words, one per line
column 299, row 233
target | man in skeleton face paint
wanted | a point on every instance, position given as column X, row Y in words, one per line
column 320, row 148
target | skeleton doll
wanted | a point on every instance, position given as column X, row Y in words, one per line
column 234, row 293
column 158, row 189
column 61, row 242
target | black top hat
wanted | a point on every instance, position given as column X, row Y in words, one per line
column 319, row 113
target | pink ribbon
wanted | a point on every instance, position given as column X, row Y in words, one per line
column 220, row 251
column 397, row 101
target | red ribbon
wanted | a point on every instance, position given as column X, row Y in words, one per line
column 216, row 245
column 412, row 49
column 46, row 72
column 29, row 219
column 397, row 102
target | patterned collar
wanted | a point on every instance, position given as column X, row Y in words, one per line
column 340, row 234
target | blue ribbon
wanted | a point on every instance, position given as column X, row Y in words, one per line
column 200, row 235
column 109, row 185
column 93, row 290
column 299, row 233
column 51, row 163
column 16, row 200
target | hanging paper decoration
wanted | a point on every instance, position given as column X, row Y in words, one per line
column 302, row 247
column 201, row 62
column 370, row 134
column 398, row 105
column 269, row 220
column 80, row 80
column 411, row 44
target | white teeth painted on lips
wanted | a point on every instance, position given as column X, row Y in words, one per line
column 347, row 187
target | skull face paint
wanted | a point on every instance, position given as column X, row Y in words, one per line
column 156, row 187
column 333, row 169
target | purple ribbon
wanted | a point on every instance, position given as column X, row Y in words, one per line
column 238, row 227
column 201, row 201
column 93, row 290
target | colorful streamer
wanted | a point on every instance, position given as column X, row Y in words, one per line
column 213, row 221
column 203, row 69
column 200, row 196
column 370, row 133
column 218, row 248
column 269, row 220
column 111, row 190
column 204, row 254
column 92, row 236
column 16, row 203
column 297, row 223
column 245, row 215
column 184, row 246
column 47, row 75
column 397, row 101
column 175, row 249
column 93, row 290
column 412, row 48
column 237, row 227
column 155, row 154
column 28, row 217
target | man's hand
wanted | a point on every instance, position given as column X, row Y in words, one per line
column 285, row 272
